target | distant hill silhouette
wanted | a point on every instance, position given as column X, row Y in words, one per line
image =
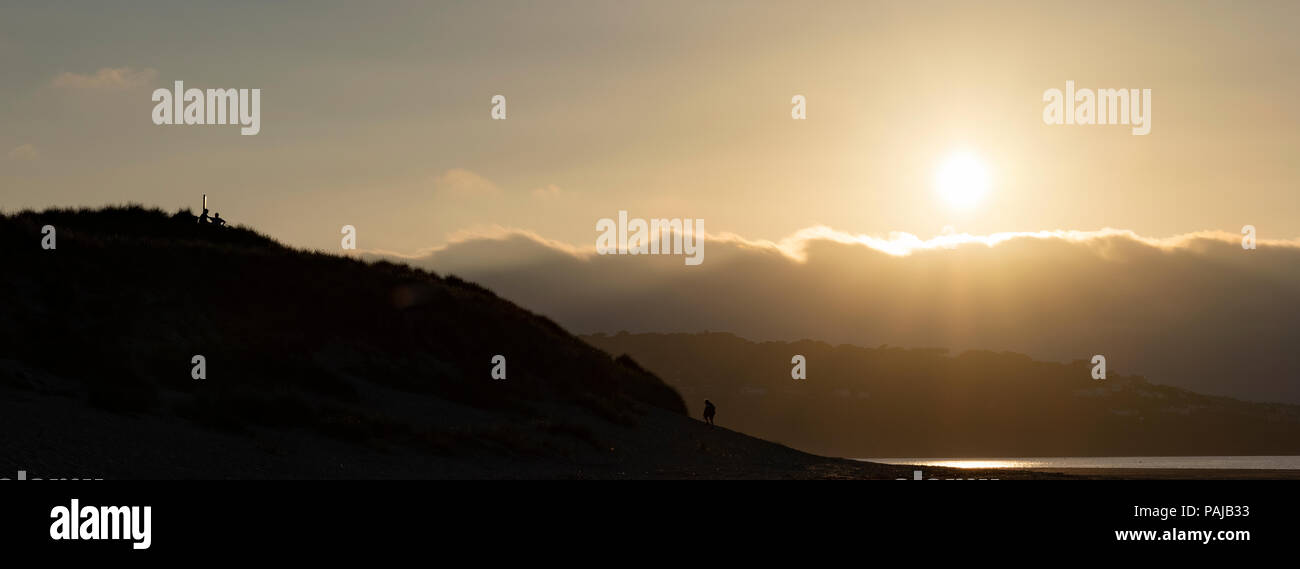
column 894, row 402
column 1197, row 311
column 318, row 365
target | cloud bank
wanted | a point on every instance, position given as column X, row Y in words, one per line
column 1196, row 310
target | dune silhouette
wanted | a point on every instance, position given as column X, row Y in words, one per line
column 317, row 366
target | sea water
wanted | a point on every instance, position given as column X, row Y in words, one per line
column 1226, row 462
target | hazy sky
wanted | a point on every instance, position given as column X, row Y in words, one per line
column 377, row 115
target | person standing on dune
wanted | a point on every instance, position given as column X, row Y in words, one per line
column 709, row 411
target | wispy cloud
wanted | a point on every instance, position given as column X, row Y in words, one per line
column 24, row 153
column 106, row 78
column 547, row 191
column 459, row 182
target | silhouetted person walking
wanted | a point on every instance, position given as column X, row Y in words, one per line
column 204, row 218
column 709, row 411
column 218, row 221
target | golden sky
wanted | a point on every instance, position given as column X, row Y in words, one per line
column 377, row 116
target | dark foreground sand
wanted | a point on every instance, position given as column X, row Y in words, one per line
column 61, row 438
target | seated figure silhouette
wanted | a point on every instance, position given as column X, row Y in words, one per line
column 218, row 221
column 204, row 218
column 709, row 411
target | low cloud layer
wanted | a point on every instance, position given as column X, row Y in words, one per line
column 1196, row 311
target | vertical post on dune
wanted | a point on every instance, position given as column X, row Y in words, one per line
column 205, row 201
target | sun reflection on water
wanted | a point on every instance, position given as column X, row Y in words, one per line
column 958, row 463
column 976, row 464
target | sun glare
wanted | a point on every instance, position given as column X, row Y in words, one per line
column 962, row 180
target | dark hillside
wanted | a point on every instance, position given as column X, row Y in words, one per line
column 293, row 340
column 318, row 366
column 895, row 402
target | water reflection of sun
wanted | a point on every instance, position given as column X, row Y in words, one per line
column 975, row 463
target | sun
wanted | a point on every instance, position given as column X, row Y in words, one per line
column 962, row 180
